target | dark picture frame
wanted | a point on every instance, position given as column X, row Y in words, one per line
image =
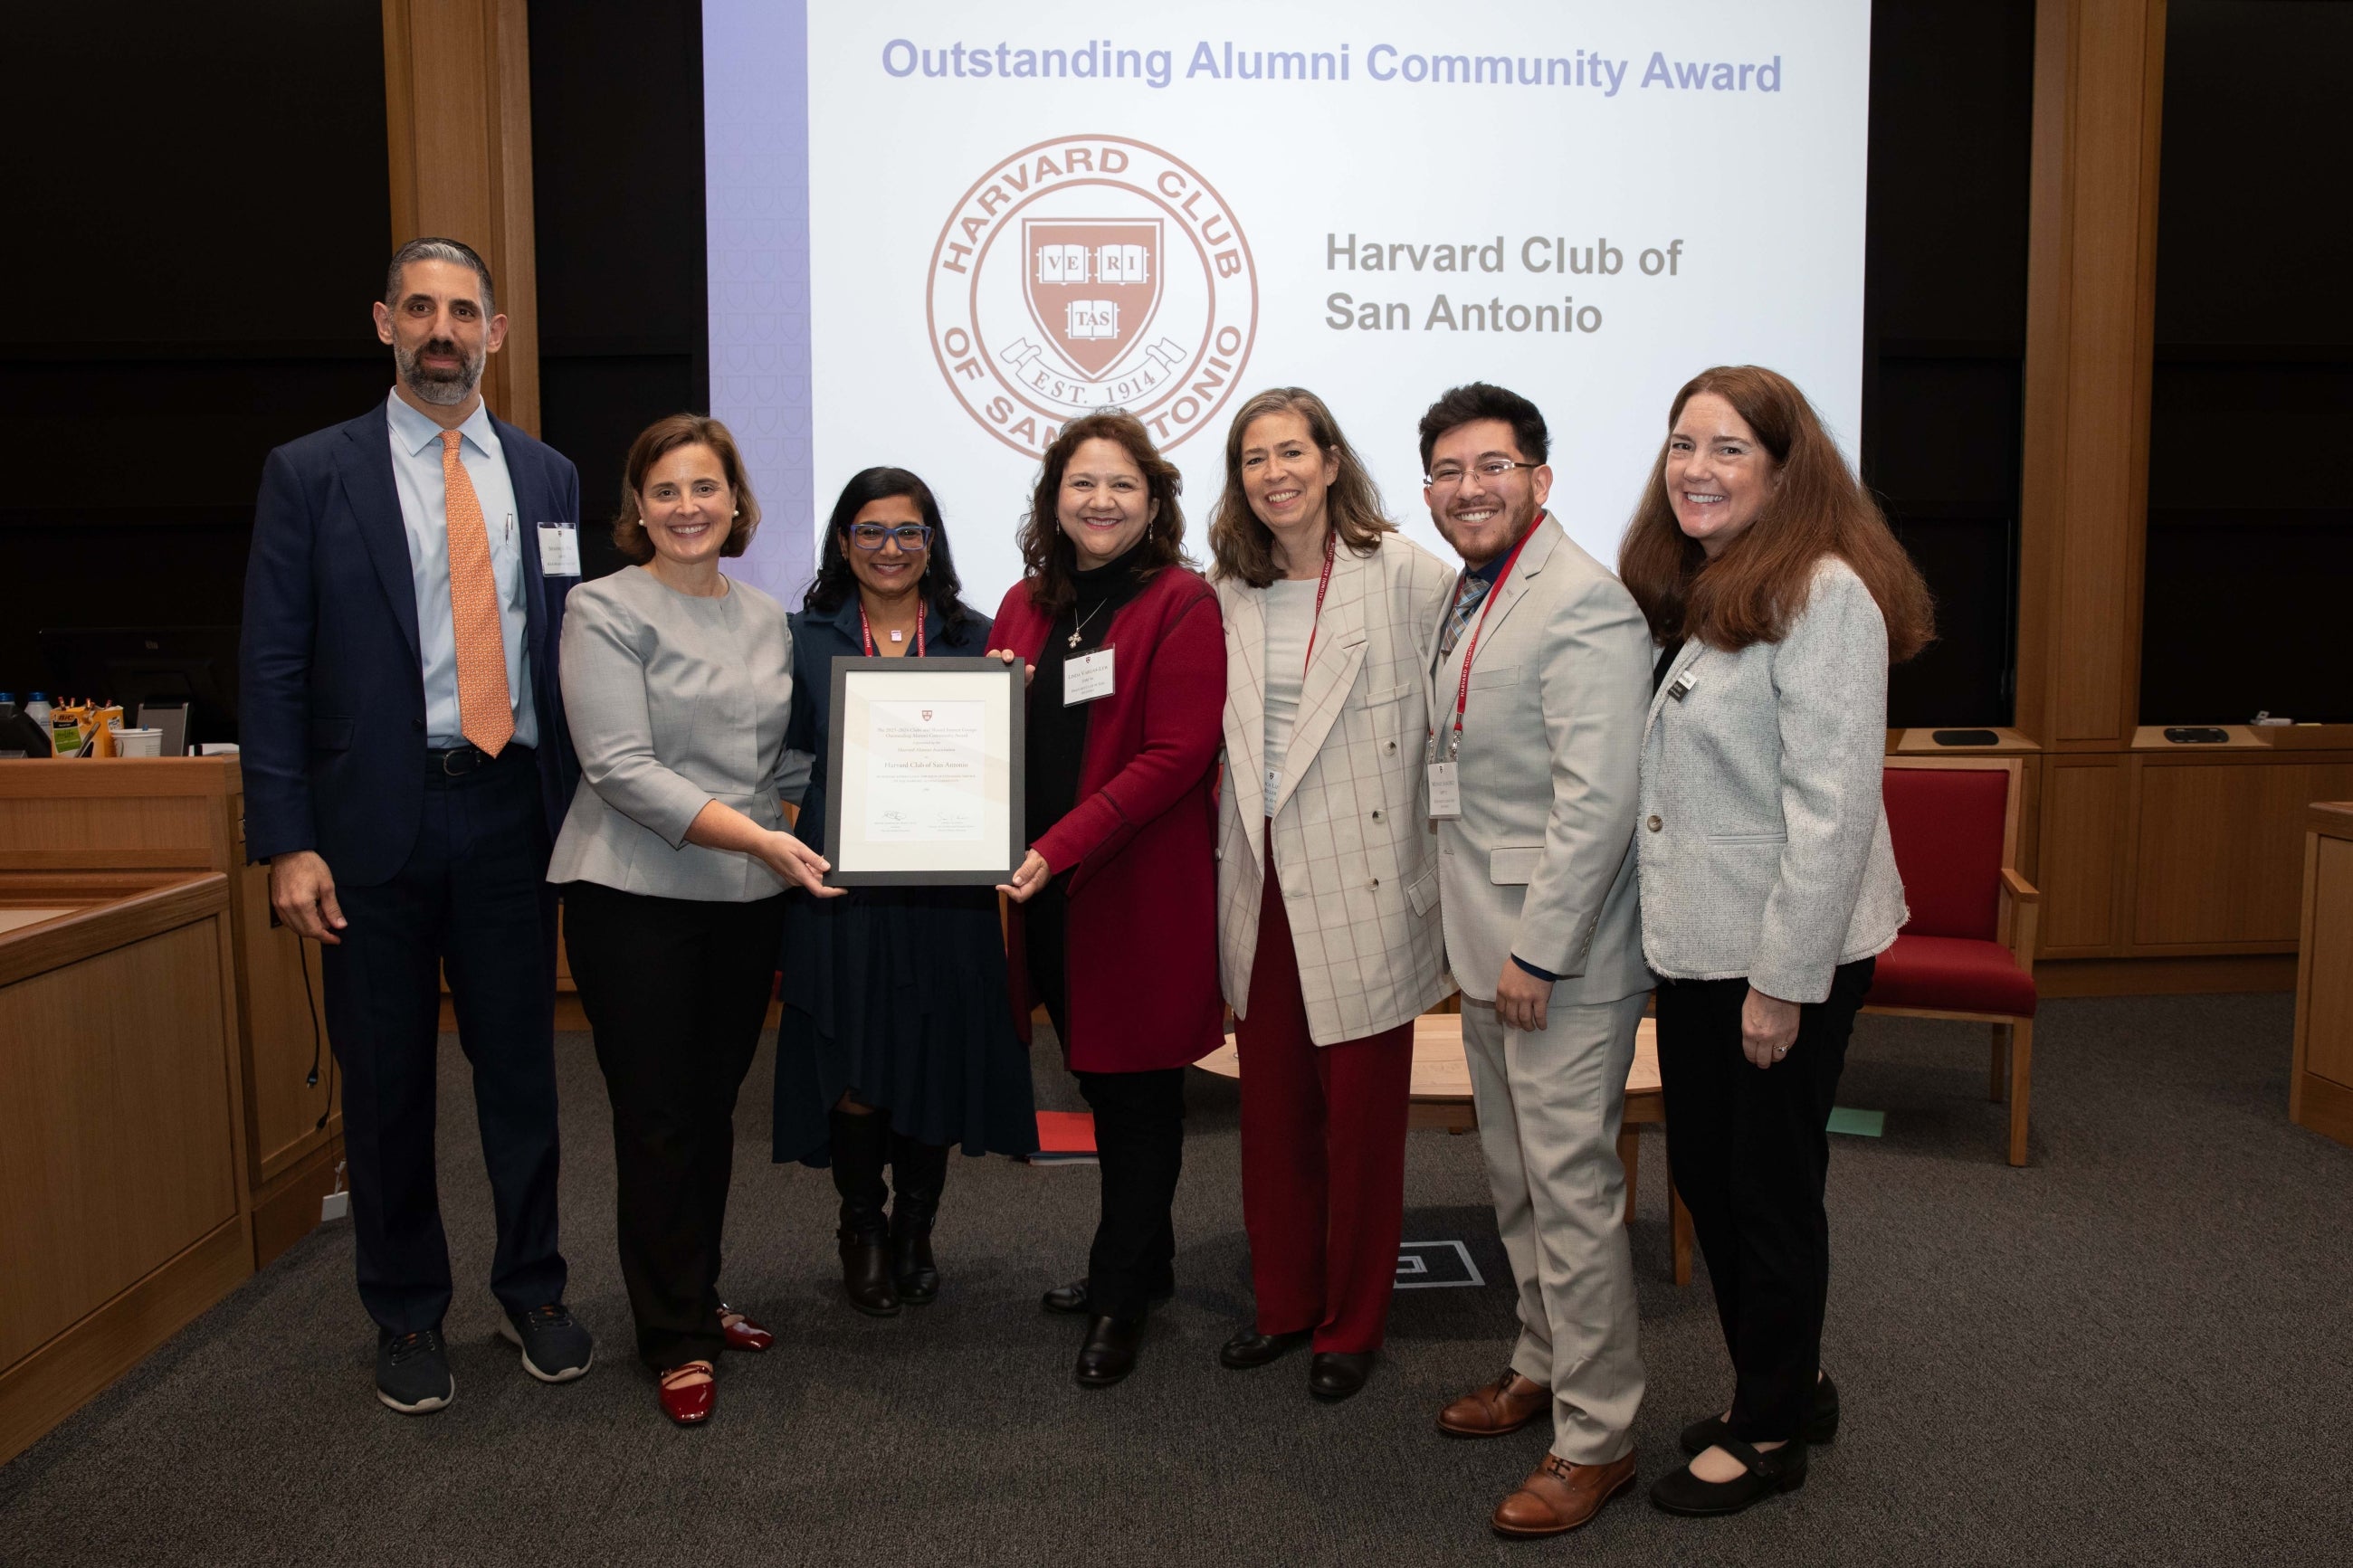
column 845, row 797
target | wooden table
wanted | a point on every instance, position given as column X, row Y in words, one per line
column 2320, row 1084
column 1442, row 1098
column 121, row 1148
column 93, row 817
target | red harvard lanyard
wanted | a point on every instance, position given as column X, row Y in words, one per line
column 1322, row 583
column 866, row 632
column 1463, row 687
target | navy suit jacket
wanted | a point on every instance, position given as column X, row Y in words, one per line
column 331, row 721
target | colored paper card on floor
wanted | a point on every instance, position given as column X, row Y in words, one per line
column 1064, row 1137
column 1846, row 1119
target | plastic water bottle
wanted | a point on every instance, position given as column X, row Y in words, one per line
column 37, row 710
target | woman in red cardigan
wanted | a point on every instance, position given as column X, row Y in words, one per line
column 1116, row 929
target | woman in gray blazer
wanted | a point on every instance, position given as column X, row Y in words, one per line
column 1768, row 885
column 674, row 860
column 1329, row 944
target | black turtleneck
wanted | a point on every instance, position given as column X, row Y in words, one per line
column 1057, row 735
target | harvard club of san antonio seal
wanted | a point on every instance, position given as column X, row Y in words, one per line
column 1092, row 272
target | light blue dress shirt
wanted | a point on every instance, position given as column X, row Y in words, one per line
column 417, row 473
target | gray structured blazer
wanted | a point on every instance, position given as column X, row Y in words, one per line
column 674, row 702
column 1352, row 844
column 1539, row 866
column 1764, row 845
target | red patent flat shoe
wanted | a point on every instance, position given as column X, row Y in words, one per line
column 741, row 1332
column 689, row 1404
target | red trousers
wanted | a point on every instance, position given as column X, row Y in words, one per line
column 1322, row 1154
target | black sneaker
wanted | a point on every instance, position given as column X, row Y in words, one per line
column 554, row 1348
column 412, row 1372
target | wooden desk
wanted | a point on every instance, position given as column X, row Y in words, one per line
column 121, row 1144
column 1440, row 1096
column 2320, row 1084
column 187, row 814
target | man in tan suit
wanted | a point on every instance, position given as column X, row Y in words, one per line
column 1539, row 682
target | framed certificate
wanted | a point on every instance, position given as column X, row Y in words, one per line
column 923, row 782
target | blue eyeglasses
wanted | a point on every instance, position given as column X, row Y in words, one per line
column 912, row 536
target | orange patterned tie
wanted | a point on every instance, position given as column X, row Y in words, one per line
column 485, row 707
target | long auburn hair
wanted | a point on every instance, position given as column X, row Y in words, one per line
column 1048, row 556
column 1242, row 546
column 836, row 584
column 1757, row 586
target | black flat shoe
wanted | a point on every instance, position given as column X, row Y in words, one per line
column 1071, row 1301
column 1822, row 1423
column 1109, row 1353
column 1333, row 1375
column 1250, row 1348
column 1768, row 1474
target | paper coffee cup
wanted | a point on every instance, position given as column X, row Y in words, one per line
column 139, row 743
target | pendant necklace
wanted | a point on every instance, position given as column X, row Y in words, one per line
column 1082, row 627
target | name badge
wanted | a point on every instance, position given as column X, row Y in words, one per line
column 1084, row 679
column 1682, row 686
column 1445, row 791
column 559, row 549
column 1273, row 788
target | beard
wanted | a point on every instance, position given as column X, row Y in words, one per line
column 440, row 388
column 1518, row 514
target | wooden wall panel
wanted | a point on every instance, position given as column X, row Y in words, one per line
column 2220, row 851
column 2082, row 812
column 2092, row 257
column 457, row 111
column 140, row 1165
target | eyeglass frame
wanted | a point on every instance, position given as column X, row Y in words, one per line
column 897, row 531
column 1487, row 467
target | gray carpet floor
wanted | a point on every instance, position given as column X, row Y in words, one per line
column 2135, row 1351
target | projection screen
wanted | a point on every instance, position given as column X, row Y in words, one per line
column 938, row 230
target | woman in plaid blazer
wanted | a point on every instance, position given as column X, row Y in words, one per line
column 1329, row 942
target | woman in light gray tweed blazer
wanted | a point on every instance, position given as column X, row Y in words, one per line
column 1768, row 884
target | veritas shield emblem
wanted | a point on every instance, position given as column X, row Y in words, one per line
column 1092, row 286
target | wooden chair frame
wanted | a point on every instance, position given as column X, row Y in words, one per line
column 2018, row 913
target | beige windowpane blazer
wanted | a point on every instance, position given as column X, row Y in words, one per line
column 1541, row 864
column 1352, row 848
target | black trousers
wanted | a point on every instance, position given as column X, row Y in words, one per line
column 675, row 990
column 1749, row 1150
column 1139, row 1141
column 471, row 898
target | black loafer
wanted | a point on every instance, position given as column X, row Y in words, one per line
column 1822, row 1423
column 1333, row 1375
column 1109, row 1353
column 1072, row 1301
column 1767, row 1474
column 1250, row 1348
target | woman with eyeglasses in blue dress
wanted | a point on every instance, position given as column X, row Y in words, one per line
column 897, row 1040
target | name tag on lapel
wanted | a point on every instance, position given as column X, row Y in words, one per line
column 559, row 549
column 1682, row 686
column 1084, row 679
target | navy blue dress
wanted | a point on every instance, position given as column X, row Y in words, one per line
column 894, row 995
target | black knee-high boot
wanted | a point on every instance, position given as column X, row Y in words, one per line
column 859, row 1144
column 918, row 1173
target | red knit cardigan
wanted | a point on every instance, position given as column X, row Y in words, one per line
column 1139, row 842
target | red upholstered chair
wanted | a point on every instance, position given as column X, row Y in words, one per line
column 1968, row 952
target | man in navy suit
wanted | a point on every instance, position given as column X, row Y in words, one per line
column 406, row 770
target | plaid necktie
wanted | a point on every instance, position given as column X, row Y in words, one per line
column 1467, row 599
column 485, row 707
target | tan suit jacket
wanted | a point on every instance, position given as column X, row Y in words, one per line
column 1540, row 864
column 1351, row 849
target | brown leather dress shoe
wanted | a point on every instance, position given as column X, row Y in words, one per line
column 1561, row 1496
column 1506, row 1404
